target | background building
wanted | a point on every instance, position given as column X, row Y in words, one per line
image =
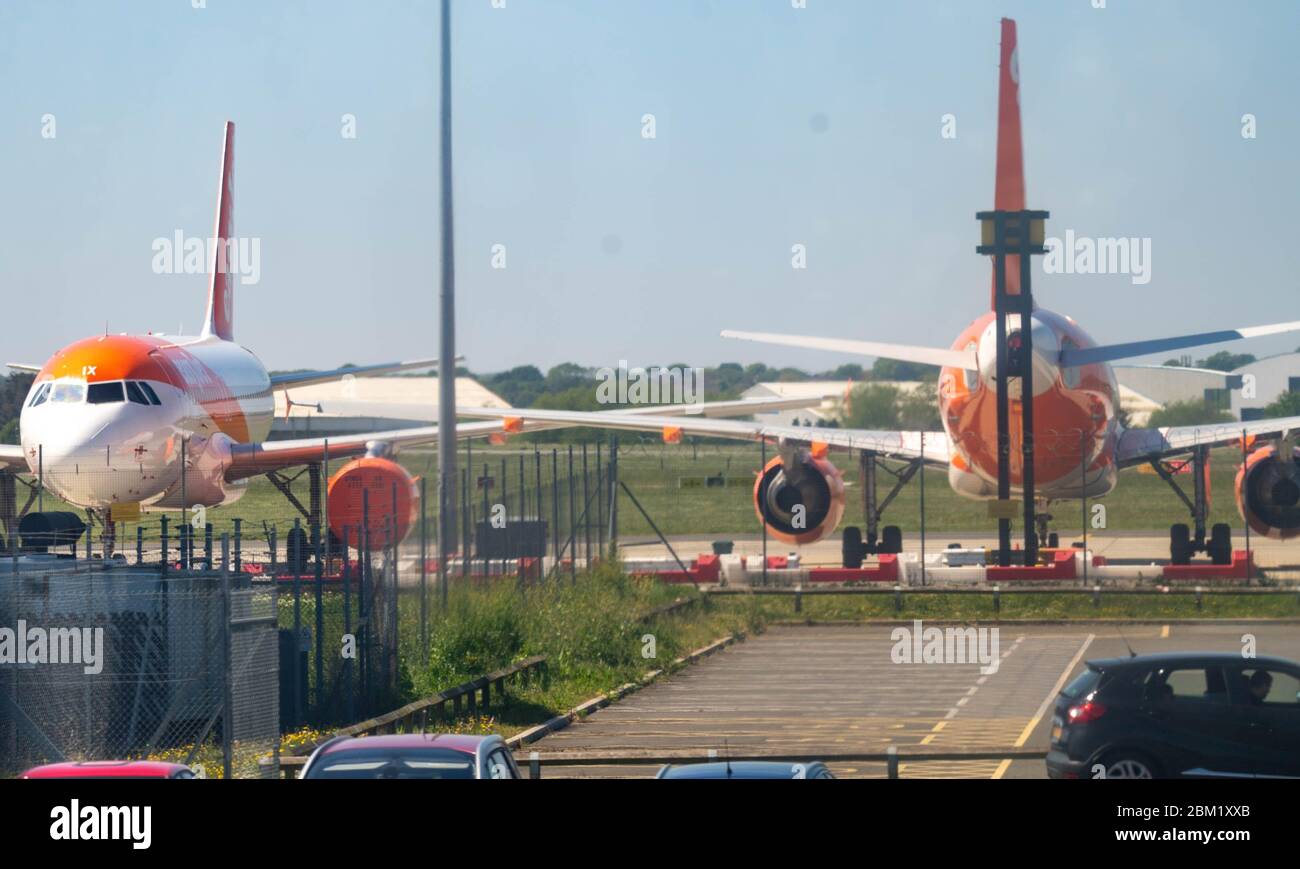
column 361, row 404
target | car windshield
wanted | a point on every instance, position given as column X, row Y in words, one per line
column 104, row 393
column 409, row 763
column 68, row 392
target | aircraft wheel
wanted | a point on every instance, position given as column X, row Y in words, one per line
column 1053, row 541
column 891, row 540
column 1180, row 544
column 1221, row 544
column 852, row 549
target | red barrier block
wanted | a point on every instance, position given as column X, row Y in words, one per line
column 778, row 562
column 1062, row 567
column 885, row 571
column 708, row 568
column 1243, row 565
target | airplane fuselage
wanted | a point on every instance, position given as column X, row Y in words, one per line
column 106, row 416
column 1076, row 421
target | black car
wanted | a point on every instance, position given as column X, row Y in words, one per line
column 1187, row 715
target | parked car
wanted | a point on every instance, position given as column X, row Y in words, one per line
column 111, row 769
column 1185, row 715
column 416, row 755
column 748, row 769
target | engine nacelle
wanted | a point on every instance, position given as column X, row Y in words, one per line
column 1268, row 493
column 800, row 498
column 379, row 485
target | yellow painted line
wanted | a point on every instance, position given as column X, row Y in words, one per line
column 939, row 726
column 1164, row 632
column 1047, row 701
column 927, row 740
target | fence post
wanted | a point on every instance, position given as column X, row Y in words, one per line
column 239, row 561
column 798, row 598
column 1096, row 595
column 891, row 761
column 997, row 599
column 534, row 765
column 163, row 539
column 227, row 684
column 898, row 598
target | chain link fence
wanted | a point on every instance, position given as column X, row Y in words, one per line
column 105, row 661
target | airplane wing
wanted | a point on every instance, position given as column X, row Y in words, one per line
column 1111, row 352
column 1138, row 445
column 901, row 352
column 933, row 446
column 249, row 460
column 25, row 367
column 12, row 458
column 307, row 378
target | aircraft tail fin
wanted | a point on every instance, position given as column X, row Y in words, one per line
column 1009, row 193
column 220, row 319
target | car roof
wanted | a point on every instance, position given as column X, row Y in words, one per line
column 1204, row 659
column 463, row 743
column 106, row 769
column 743, row 769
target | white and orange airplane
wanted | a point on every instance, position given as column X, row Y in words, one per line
column 1081, row 445
column 109, row 419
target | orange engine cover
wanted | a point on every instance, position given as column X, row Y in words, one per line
column 801, row 507
column 1268, row 494
column 385, row 487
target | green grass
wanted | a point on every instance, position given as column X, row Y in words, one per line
column 1046, row 606
column 589, row 631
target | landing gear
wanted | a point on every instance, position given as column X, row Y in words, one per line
column 888, row 540
column 1184, row 540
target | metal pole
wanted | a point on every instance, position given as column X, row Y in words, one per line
column 447, row 321
column 1003, row 398
column 762, row 469
column 1026, row 301
column 1083, row 483
column 40, row 478
column 586, row 513
column 555, row 510
column 921, row 474
column 424, row 571
column 1245, row 461
column 573, row 525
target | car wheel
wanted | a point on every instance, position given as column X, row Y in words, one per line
column 1126, row 765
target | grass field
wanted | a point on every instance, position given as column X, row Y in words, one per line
column 667, row 481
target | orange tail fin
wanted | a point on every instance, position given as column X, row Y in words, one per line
column 220, row 319
column 1009, row 194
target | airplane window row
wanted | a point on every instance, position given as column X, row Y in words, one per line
column 73, row 392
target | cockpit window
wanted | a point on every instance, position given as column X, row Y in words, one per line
column 148, row 390
column 39, row 396
column 135, row 394
column 68, row 392
column 104, row 393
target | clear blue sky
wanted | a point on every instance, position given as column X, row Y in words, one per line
column 775, row 125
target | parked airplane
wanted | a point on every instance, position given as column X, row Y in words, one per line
column 1081, row 444
column 109, row 419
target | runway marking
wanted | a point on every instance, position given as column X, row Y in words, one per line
column 1164, row 632
column 1047, row 701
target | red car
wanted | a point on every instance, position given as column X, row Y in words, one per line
column 111, row 769
column 415, row 755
